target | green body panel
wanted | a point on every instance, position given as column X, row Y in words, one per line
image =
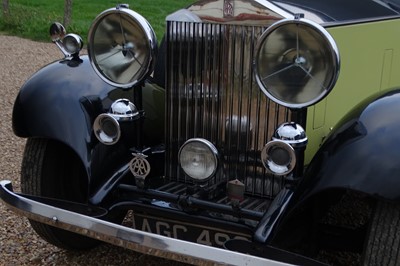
column 370, row 62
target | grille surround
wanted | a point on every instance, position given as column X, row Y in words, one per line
column 211, row 93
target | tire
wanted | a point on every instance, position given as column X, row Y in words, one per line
column 50, row 169
column 383, row 240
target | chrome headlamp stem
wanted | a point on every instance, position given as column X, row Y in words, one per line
column 62, row 49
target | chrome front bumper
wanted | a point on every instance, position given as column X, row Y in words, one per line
column 123, row 236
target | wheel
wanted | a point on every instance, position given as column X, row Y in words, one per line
column 383, row 240
column 51, row 169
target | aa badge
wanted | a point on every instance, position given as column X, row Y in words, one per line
column 139, row 166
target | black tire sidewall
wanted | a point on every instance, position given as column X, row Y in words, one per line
column 51, row 169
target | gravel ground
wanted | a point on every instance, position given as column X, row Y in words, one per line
column 19, row 245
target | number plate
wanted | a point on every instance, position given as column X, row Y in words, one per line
column 191, row 232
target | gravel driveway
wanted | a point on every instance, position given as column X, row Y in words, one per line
column 19, row 245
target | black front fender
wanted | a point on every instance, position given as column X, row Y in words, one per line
column 362, row 153
column 61, row 101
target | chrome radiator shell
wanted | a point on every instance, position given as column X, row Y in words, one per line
column 211, row 93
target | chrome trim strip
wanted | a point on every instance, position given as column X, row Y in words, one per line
column 152, row 244
column 358, row 21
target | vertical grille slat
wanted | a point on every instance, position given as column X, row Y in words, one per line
column 212, row 94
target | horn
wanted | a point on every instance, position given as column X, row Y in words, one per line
column 106, row 129
column 106, row 126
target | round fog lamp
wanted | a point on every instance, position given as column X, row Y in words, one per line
column 278, row 158
column 198, row 159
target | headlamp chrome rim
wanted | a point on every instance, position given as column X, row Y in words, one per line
column 334, row 58
column 149, row 39
column 213, row 152
column 272, row 166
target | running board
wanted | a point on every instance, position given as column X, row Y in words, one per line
column 147, row 243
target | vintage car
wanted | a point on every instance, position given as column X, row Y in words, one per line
column 254, row 133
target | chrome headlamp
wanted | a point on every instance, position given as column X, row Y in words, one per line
column 296, row 62
column 122, row 46
column 106, row 126
column 198, row 159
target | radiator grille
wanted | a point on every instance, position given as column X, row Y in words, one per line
column 212, row 94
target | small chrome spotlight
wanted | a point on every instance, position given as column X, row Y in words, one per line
column 278, row 158
column 69, row 44
column 72, row 43
column 106, row 126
